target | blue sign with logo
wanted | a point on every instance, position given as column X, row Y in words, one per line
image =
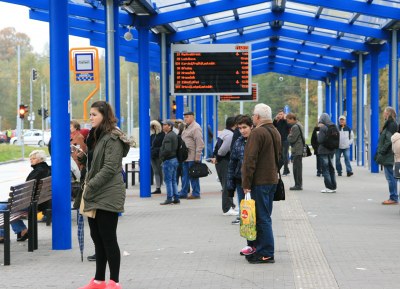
column 286, row 109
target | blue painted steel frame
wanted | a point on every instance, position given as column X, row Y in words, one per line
column 374, row 130
column 349, row 102
column 59, row 88
column 333, row 100
column 144, row 112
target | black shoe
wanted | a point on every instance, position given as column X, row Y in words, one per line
column 349, row 174
column 22, row 238
column 91, row 258
column 296, row 188
column 258, row 259
column 339, row 174
column 166, row 202
column 1, row 240
column 236, row 221
column 157, row 191
column 176, row 202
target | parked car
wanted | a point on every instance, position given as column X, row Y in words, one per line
column 33, row 137
column 3, row 137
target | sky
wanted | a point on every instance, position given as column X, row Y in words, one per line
column 17, row 16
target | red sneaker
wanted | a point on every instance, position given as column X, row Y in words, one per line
column 94, row 285
column 113, row 285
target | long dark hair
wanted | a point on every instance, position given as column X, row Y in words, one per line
column 109, row 121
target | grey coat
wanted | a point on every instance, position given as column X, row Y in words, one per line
column 104, row 186
column 295, row 139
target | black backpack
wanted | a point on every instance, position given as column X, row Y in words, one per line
column 182, row 151
column 332, row 137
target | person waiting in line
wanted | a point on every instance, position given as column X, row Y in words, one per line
column 345, row 141
column 384, row 154
column 77, row 141
column 179, row 127
column 315, row 145
column 234, row 177
column 220, row 158
column 193, row 138
column 156, row 139
column 295, row 139
column 40, row 170
column 169, row 162
column 326, row 155
column 104, row 194
column 283, row 127
column 260, row 177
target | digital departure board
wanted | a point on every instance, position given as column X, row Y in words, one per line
column 242, row 97
column 211, row 69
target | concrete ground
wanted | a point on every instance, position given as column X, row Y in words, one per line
column 346, row 240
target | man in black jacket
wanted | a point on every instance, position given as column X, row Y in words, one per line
column 283, row 127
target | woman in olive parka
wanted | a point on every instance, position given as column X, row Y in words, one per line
column 104, row 191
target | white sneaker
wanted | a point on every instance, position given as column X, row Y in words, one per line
column 231, row 212
column 328, row 191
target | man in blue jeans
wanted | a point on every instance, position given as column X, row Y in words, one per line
column 170, row 162
column 346, row 140
column 259, row 178
column 193, row 138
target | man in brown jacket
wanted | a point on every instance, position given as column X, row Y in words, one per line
column 260, row 176
column 193, row 138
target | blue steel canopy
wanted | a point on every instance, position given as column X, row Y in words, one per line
column 304, row 38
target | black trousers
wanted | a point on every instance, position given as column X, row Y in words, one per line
column 103, row 230
column 298, row 171
column 222, row 172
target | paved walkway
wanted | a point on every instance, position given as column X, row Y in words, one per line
column 346, row 240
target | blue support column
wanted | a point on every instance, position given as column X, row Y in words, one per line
column 360, row 111
column 179, row 106
column 144, row 111
column 333, row 101
column 393, row 72
column 117, row 79
column 59, row 89
column 327, row 97
column 340, row 93
column 210, row 121
column 199, row 109
column 349, row 103
column 374, row 109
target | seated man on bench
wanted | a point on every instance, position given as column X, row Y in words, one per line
column 40, row 171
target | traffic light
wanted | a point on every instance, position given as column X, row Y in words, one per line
column 34, row 74
column 174, row 107
column 23, row 109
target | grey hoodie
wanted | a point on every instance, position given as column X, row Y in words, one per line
column 326, row 120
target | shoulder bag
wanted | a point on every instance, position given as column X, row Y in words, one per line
column 280, row 187
column 306, row 148
column 199, row 170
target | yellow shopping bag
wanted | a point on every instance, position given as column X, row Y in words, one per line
column 248, row 218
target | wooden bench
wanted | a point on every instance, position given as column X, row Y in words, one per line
column 42, row 194
column 18, row 206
